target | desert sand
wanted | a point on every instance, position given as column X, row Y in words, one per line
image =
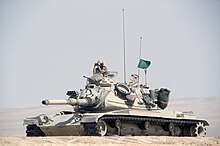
column 12, row 132
column 108, row 141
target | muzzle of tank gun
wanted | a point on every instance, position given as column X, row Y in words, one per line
column 70, row 101
column 54, row 102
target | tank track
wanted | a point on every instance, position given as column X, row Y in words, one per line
column 34, row 130
column 186, row 126
column 91, row 129
column 161, row 121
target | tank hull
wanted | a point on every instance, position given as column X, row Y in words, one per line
column 121, row 122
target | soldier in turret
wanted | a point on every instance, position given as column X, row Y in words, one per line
column 99, row 71
column 100, row 68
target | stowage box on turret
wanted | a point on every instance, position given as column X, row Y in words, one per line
column 106, row 107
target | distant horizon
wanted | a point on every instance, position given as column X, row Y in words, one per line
column 41, row 105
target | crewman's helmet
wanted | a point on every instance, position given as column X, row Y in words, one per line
column 100, row 62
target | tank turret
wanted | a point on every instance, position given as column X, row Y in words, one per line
column 107, row 95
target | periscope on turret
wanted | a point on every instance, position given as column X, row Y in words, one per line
column 107, row 107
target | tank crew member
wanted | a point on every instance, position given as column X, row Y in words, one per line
column 99, row 68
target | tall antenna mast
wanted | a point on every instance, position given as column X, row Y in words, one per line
column 124, row 47
column 139, row 59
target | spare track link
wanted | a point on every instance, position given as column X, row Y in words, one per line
column 34, row 130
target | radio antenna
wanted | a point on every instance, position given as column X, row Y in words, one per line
column 139, row 59
column 124, row 47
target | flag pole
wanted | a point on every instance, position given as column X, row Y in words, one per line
column 124, row 47
column 145, row 72
column 139, row 60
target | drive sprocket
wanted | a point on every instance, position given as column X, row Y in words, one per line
column 200, row 130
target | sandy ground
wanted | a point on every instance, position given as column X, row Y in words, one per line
column 12, row 131
column 108, row 141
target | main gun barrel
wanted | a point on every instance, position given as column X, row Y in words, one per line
column 70, row 101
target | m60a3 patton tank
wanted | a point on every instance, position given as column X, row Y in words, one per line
column 105, row 107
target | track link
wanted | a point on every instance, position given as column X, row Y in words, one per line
column 34, row 130
column 91, row 129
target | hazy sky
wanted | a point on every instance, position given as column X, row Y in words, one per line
column 46, row 46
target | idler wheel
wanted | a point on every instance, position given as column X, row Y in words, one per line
column 103, row 127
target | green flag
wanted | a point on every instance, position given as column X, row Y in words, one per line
column 143, row 64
